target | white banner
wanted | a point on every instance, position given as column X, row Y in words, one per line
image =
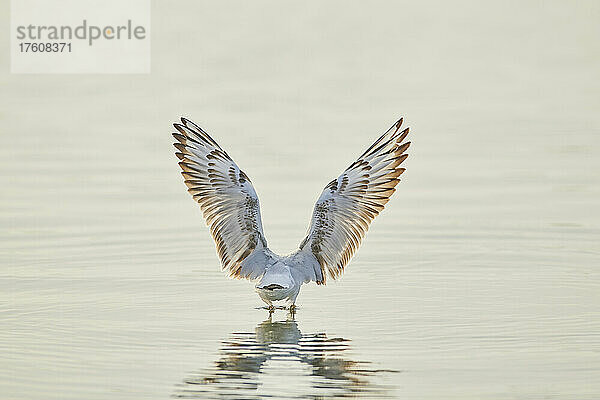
column 80, row 36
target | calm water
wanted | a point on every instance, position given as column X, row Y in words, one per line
column 480, row 279
column 253, row 364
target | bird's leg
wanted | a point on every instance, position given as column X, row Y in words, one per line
column 270, row 319
column 291, row 316
column 292, row 301
column 271, row 309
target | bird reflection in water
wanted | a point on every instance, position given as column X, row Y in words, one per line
column 279, row 361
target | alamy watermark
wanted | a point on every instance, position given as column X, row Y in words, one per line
column 80, row 36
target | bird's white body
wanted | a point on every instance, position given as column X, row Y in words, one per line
column 340, row 218
column 278, row 284
column 282, row 279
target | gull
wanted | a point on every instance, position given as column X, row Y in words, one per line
column 340, row 219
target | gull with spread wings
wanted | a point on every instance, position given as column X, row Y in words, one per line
column 339, row 221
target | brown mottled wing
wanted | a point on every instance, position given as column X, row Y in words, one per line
column 349, row 203
column 228, row 201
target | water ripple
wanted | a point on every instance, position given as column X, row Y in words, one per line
column 312, row 366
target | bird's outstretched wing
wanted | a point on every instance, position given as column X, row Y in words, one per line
column 228, row 201
column 349, row 203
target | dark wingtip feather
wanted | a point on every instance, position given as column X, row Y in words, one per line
column 181, row 129
column 399, row 123
column 179, row 146
column 402, row 135
column 180, row 138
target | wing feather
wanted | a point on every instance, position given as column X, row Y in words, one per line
column 228, row 201
column 348, row 204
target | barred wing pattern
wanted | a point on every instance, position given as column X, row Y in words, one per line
column 348, row 204
column 228, row 201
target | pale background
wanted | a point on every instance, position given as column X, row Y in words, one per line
column 480, row 279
